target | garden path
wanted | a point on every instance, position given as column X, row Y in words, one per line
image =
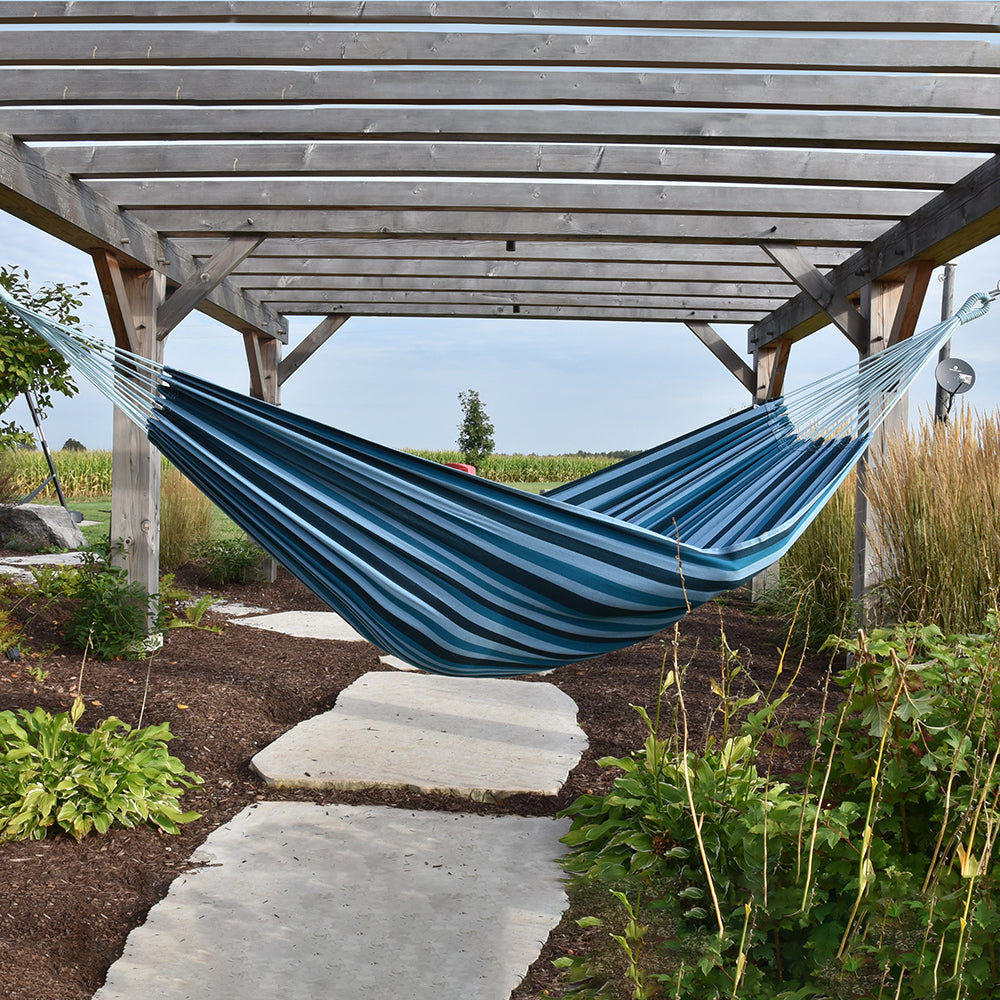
column 337, row 901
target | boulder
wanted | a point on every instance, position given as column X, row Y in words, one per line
column 33, row 527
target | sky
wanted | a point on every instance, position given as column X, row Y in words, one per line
column 548, row 387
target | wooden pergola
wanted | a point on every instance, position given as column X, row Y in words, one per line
column 778, row 165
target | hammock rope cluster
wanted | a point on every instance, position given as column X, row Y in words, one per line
column 460, row 575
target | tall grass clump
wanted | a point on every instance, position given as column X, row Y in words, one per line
column 815, row 583
column 185, row 519
column 937, row 501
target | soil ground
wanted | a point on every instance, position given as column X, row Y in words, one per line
column 68, row 906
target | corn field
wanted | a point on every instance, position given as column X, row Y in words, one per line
column 87, row 474
column 82, row 474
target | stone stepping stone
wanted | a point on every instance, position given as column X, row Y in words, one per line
column 305, row 625
column 338, row 902
column 396, row 663
column 480, row 738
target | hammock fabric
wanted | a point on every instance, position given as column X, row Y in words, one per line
column 460, row 575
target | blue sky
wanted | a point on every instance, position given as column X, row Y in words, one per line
column 548, row 387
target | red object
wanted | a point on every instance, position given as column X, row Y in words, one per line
column 470, row 469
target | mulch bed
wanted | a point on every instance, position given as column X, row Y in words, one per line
column 68, row 906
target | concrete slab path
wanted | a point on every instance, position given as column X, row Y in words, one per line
column 305, row 625
column 480, row 738
column 336, row 902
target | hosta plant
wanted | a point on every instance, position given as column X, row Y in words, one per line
column 53, row 777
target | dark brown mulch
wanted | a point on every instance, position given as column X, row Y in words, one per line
column 68, row 906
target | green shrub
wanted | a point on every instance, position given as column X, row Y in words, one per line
column 56, row 778
column 114, row 618
column 869, row 874
column 230, row 560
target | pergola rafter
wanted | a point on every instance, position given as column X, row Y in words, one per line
column 770, row 164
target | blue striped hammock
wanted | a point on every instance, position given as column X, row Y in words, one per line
column 460, row 575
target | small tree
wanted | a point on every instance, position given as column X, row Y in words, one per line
column 26, row 361
column 72, row 444
column 475, row 432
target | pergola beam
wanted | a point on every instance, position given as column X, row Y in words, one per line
column 846, row 15
column 764, row 127
column 389, row 251
column 330, row 195
column 82, row 218
column 724, row 353
column 963, row 217
column 512, row 225
column 316, row 338
column 973, row 94
column 183, row 300
column 820, row 289
column 624, row 161
column 297, row 48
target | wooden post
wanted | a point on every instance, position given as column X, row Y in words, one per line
column 888, row 310
column 264, row 359
column 770, row 364
column 132, row 297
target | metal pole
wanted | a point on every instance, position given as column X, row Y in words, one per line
column 37, row 417
column 947, row 308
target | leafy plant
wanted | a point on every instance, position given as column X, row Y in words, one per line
column 191, row 615
column 26, row 361
column 115, row 618
column 55, row 777
column 230, row 560
column 869, row 874
column 57, row 581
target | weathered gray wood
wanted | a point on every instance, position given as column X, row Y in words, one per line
column 957, row 220
column 329, row 194
column 256, row 269
column 520, row 310
column 513, row 225
column 414, row 249
column 724, row 353
column 840, row 15
column 263, row 360
column 303, row 351
column 627, row 161
column 820, row 289
column 913, row 291
column 249, row 47
column 881, row 308
column 183, row 300
column 925, row 132
column 135, row 469
column 567, row 286
column 116, row 300
column 78, row 216
column 345, row 300
column 805, row 91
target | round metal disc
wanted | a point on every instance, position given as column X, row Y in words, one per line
column 955, row 375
